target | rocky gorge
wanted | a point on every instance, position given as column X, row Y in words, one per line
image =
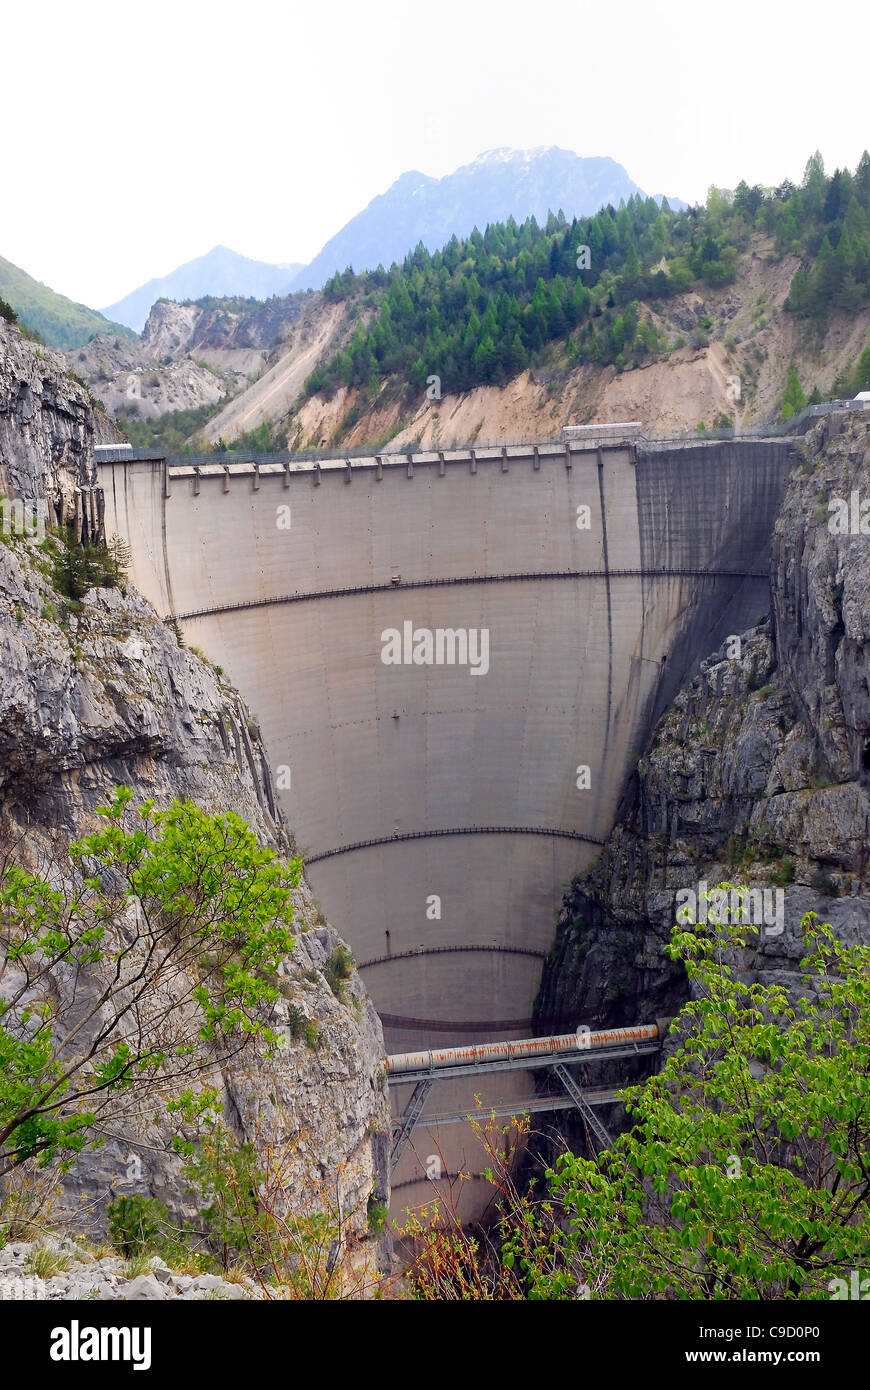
column 101, row 693
column 757, row 774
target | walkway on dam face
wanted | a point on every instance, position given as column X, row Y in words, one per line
column 423, row 1069
column 528, row 576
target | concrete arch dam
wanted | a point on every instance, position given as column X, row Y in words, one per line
column 454, row 660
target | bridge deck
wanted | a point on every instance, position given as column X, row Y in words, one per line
column 582, row 1046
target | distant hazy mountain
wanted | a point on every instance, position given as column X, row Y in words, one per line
column 59, row 321
column 221, row 273
column 496, row 185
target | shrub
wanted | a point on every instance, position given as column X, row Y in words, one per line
column 79, row 567
column 297, row 1022
column 784, row 873
column 292, row 1251
column 338, row 970
column 377, row 1216
column 135, row 1224
column 45, row 1262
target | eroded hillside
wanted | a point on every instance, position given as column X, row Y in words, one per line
column 741, row 331
column 255, row 356
column 729, row 356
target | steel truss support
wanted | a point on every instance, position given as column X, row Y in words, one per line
column 583, row 1106
column 411, row 1114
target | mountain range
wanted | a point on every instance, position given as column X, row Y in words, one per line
column 498, row 184
column 221, row 272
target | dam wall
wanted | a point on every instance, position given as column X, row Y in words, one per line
column 443, row 805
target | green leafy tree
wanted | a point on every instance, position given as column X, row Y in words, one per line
column 142, row 961
column 794, row 399
column 861, row 376
column 746, row 1171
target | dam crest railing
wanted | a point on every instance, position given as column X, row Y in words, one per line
column 418, row 453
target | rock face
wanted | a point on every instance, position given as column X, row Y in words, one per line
column 105, row 695
column 757, row 774
column 80, row 1274
column 821, row 596
column 84, row 1276
column 47, row 426
column 188, row 355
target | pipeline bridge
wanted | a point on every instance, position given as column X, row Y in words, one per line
column 455, row 658
column 557, row 1054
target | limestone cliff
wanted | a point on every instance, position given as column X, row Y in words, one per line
column 758, row 773
column 192, row 355
column 48, row 427
column 101, row 693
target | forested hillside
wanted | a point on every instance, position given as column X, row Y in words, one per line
column 58, row 321
column 482, row 309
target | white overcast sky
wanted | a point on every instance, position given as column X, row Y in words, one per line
column 139, row 136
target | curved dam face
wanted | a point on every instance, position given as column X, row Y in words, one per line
column 454, row 661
